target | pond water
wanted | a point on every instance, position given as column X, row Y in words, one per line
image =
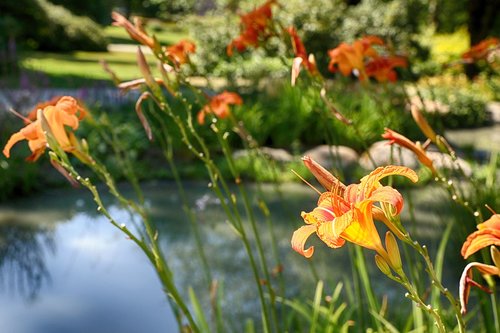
column 64, row 268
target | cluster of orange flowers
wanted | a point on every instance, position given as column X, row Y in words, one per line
column 481, row 50
column 364, row 61
column 255, row 27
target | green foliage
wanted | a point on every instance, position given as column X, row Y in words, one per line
column 99, row 11
column 42, row 25
column 66, row 32
column 460, row 107
column 449, row 15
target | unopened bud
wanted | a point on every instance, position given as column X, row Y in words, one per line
column 382, row 265
column 392, row 248
column 423, row 124
column 324, row 177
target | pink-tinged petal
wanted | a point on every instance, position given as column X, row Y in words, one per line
column 299, row 239
column 334, row 203
column 371, row 182
column 318, row 215
column 296, row 64
column 388, row 195
column 466, row 281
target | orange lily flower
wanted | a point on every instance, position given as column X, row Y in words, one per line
column 66, row 112
column 219, row 105
column 135, row 31
column 401, row 140
column 179, row 53
column 481, row 50
column 351, row 57
column 382, row 68
column 254, row 25
column 488, row 233
column 346, row 214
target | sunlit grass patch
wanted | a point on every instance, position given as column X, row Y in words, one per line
column 82, row 66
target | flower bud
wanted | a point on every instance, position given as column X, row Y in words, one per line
column 324, row 177
column 382, row 265
column 495, row 256
column 392, row 248
column 422, row 123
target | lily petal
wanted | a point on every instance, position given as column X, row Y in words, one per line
column 299, row 239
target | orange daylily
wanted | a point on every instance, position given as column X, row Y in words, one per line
column 135, row 31
column 347, row 213
column 382, row 68
column 179, row 52
column 219, row 105
column 401, row 140
column 349, row 57
column 488, row 233
column 66, row 112
column 254, row 25
column 481, row 50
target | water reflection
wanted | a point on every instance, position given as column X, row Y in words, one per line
column 100, row 281
column 22, row 258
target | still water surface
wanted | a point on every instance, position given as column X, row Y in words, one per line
column 65, row 269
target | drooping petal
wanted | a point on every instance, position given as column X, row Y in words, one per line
column 299, row 239
column 15, row 138
column 466, row 281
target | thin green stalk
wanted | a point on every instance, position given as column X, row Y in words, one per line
column 152, row 254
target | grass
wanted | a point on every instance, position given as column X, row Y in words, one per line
column 166, row 33
column 79, row 68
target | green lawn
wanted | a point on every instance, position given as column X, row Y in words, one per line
column 83, row 68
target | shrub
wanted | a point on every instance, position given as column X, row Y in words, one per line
column 42, row 25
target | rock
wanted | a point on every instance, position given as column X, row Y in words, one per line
column 429, row 106
column 381, row 153
column 275, row 154
column 334, row 156
column 493, row 108
column 444, row 161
